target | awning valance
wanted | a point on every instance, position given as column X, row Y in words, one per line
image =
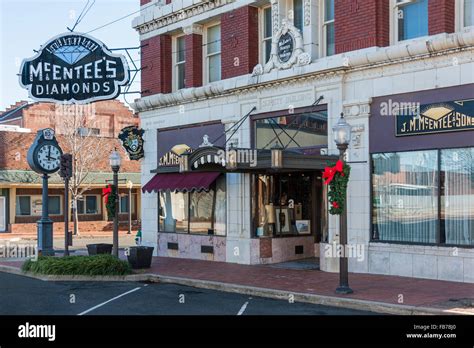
column 193, row 181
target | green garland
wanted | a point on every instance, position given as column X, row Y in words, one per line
column 338, row 190
column 111, row 199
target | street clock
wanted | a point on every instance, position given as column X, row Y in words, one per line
column 44, row 156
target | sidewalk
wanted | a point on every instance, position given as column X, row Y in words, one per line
column 371, row 292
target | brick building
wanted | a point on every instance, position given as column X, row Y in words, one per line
column 402, row 73
column 20, row 187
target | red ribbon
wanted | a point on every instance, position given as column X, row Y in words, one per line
column 106, row 192
column 329, row 172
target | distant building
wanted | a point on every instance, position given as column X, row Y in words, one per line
column 20, row 187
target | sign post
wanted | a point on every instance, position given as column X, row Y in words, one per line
column 66, row 174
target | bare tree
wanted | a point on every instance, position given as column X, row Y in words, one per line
column 77, row 128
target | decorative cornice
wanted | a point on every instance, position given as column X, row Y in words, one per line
column 162, row 16
column 325, row 68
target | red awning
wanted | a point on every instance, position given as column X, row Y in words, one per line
column 196, row 181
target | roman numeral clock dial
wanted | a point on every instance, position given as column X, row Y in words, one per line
column 48, row 157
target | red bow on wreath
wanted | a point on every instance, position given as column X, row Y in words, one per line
column 106, row 192
column 329, row 172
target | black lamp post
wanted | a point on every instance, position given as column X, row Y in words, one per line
column 342, row 137
column 115, row 162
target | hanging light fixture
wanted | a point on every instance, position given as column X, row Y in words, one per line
column 277, row 156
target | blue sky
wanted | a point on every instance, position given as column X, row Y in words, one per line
column 27, row 24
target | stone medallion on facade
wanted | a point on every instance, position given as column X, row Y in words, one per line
column 287, row 50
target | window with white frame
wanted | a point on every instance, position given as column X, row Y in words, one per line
column 124, row 203
column 410, row 19
column 213, row 53
column 328, row 33
column 465, row 13
column 267, row 33
column 298, row 14
column 180, row 62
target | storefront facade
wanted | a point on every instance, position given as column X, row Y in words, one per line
column 273, row 215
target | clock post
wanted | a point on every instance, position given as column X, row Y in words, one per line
column 45, row 224
column 44, row 158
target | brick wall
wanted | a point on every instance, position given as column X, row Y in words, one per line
column 239, row 41
column 156, row 65
column 361, row 24
column 108, row 116
column 193, row 72
column 441, row 16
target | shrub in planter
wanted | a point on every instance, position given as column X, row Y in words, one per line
column 100, row 248
column 78, row 265
column 140, row 256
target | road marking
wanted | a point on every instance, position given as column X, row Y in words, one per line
column 242, row 310
column 112, row 299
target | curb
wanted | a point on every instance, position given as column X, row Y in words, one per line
column 349, row 303
column 76, row 278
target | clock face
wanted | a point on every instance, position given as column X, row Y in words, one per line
column 48, row 157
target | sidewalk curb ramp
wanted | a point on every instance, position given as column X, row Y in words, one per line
column 349, row 303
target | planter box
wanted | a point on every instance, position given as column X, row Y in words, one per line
column 101, row 248
column 140, row 256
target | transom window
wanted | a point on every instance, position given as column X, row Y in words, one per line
column 410, row 19
column 213, row 53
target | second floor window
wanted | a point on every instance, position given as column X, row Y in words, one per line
column 468, row 13
column 411, row 17
column 298, row 14
column 267, row 34
column 213, row 53
column 329, row 45
column 180, row 62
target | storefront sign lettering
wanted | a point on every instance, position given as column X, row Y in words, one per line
column 437, row 118
column 74, row 68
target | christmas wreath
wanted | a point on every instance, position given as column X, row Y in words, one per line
column 110, row 195
column 337, row 178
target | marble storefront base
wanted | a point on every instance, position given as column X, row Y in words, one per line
column 190, row 246
column 275, row 250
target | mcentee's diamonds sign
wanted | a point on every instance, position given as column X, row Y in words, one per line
column 74, row 68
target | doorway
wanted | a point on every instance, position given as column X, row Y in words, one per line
column 3, row 214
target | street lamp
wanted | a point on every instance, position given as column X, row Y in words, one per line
column 115, row 161
column 129, row 186
column 277, row 156
column 342, row 137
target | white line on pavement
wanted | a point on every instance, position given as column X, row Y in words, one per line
column 242, row 310
column 112, row 299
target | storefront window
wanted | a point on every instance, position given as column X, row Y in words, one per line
column 457, row 196
column 174, row 211
column 32, row 205
column 406, row 195
column 298, row 130
column 405, row 191
column 194, row 212
column 284, row 205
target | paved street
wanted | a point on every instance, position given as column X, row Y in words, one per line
column 27, row 296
